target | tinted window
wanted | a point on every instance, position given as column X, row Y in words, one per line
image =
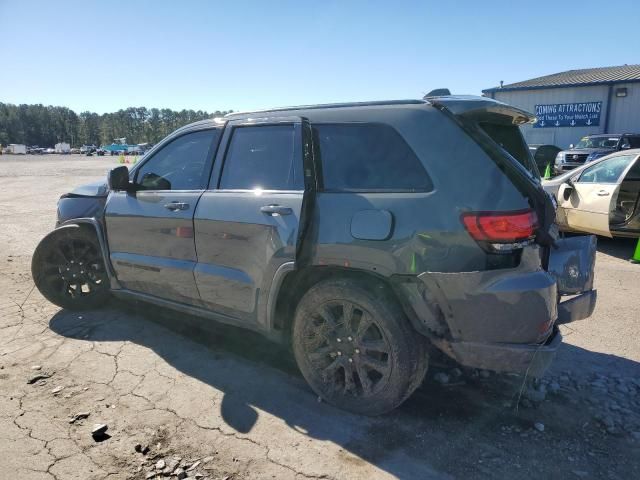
column 368, row 156
column 631, row 142
column 634, row 172
column 510, row 139
column 262, row 158
column 607, row 171
column 180, row 165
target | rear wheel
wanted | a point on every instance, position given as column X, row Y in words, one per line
column 68, row 269
column 356, row 349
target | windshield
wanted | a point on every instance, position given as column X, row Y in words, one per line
column 598, row 142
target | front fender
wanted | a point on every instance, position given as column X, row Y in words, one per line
column 72, row 207
column 102, row 241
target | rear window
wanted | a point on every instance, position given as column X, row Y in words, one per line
column 510, row 139
column 368, row 157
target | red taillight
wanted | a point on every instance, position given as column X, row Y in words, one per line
column 501, row 227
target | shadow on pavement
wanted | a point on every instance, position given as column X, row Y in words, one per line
column 440, row 431
column 621, row 248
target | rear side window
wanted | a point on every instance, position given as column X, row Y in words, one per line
column 262, row 157
column 368, row 157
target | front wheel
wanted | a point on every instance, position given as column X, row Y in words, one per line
column 68, row 269
column 356, row 348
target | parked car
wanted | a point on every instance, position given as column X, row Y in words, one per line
column 602, row 197
column 592, row 147
column 340, row 230
column 544, row 155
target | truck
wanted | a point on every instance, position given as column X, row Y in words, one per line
column 62, row 147
column 17, row 149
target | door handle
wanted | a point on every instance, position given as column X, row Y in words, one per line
column 602, row 193
column 173, row 206
column 276, row 210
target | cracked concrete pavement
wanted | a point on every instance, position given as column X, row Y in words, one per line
column 186, row 387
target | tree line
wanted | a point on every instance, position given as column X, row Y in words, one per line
column 47, row 125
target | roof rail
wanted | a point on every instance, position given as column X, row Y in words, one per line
column 330, row 105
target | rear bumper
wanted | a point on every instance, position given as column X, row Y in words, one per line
column 577, row 308
column 505, row 320
column 505, row 357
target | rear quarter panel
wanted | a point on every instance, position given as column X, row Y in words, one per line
column 427, row 234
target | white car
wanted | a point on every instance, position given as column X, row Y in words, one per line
column 601, row 197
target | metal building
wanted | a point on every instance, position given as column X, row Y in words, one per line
column 575, row 103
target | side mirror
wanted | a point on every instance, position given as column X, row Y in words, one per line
column 571, row 145
column 625, row 146
column 118, row 178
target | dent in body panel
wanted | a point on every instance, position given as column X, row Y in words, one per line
column 239, row 248
column 507, row 305
column 572, row 263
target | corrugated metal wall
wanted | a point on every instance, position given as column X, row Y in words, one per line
column 625, row 111
column 624, row 115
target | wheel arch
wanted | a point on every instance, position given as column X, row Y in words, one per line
column 97, row 228
column 295, row 283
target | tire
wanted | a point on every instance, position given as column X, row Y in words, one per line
column 68, row 269
column 356, row 348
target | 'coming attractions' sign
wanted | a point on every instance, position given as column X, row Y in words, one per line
column 585, row 114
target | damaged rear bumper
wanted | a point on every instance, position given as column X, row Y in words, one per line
column 508, row 357
column 506, row 320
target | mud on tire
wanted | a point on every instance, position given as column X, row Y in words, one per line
column 356, row 348
column 68, row 269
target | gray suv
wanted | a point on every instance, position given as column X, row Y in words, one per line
column 365, row 235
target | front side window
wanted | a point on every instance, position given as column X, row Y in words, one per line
column 368, row 157
column 607, row 171
column 262, row 158
column 179, row 165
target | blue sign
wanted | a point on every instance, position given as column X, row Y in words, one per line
column 585, row 114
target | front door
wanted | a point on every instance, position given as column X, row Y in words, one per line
column 247, row 223
column 592, row 196
column 150, row 230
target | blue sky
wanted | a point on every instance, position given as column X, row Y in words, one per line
column 210, row 55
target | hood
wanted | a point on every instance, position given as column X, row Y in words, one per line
column 587, row 150
column 95, row 189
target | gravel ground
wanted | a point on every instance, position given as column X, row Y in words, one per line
column 187, row 398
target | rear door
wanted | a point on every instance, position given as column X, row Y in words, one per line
column 247, row 224
column 150, row 231
column 593, row 195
